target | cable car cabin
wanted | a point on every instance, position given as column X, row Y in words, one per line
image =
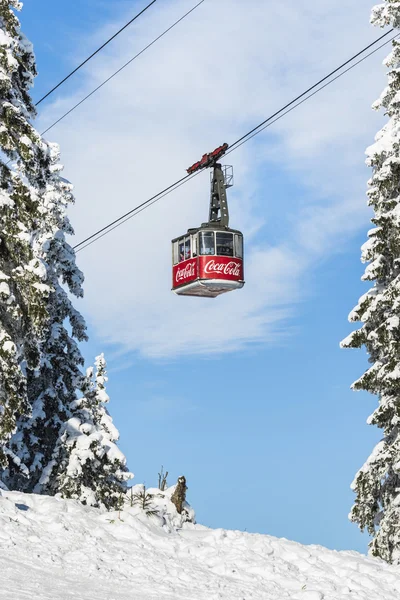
column 207, row 262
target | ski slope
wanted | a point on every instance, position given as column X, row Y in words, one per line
column 52, row 549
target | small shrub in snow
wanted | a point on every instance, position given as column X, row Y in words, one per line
column 144, row 500
column 165, row 513
column 162, row 479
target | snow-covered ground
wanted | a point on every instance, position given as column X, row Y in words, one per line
column 53, row 549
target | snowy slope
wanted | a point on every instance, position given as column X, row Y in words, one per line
column 52, row 549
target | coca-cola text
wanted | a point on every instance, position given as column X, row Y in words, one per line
column 188, row 271
column 231, row 268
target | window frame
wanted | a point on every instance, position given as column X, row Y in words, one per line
column 224, row 233
column 194, row 245
column 206, row 233
column 187, row 247
column 238, row 238
column 175, row 253
column 181, row 242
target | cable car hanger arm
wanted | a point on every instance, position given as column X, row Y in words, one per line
column 208, row 160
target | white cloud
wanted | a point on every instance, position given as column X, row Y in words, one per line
column 224, row 69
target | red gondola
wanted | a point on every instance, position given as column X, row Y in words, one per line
column 208, row 260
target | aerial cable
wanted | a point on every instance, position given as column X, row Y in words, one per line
column 94, row 53
column 132, row 213
column 271, row 120
column 321, row 81
column 123, row 67
column 148, row 202
column 242, row 140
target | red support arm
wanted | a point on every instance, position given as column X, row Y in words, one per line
column 208, row 159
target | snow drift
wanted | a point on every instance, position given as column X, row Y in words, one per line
column 53, row 549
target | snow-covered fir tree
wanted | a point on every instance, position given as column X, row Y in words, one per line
column 88, row 465
column 52, row 387
column 377, row 484
column 24, row 170
column 40, row 450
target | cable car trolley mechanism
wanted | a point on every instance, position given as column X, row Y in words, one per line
column 208, row 260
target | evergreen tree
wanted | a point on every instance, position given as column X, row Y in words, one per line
column 377, row 484
column 50, row 442
column 24, row 170
column 88, row 465
column 52, row 388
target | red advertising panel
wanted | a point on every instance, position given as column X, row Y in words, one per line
column 184, row 272
column 221, row 267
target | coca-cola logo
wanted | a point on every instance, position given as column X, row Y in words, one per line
column 187, row 271
column 230, row 268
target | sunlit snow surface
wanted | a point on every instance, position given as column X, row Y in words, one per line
column 53, row 549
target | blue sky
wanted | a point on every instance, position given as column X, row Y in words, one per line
column 248, row 396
